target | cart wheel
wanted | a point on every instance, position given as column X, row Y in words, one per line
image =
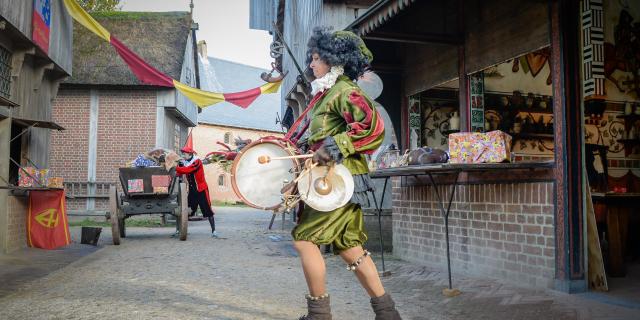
column 113, row 208
column 122, row 227
column 184, row 213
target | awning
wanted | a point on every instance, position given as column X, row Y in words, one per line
column 7, row 103
column 378, row 14
column 37, row 123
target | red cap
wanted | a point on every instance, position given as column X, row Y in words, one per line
column 187, row 150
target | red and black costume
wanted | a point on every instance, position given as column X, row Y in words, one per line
column 198, row 189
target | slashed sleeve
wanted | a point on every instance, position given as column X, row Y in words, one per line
column 365, row 127
column 189, row 169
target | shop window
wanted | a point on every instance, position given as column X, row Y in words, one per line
column 5, row 73
column 227, row 137
column 517, row 99
column 514, row 96
column 433, row 115
column 221, row 180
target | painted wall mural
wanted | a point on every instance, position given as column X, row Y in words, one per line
column 622, row 50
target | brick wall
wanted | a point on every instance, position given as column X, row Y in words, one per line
column 503, row 231
column 126, row 127
column 16, row 223
column 68, row 159
column 71, row 109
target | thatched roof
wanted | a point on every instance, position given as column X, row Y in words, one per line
column 160, row 38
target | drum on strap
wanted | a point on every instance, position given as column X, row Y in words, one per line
column 258, row 183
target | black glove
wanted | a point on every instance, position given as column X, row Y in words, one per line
column 322, row 156
column 328, row 153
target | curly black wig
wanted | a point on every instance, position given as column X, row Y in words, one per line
column 341, row 48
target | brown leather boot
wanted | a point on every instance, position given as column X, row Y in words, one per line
column 385, row 308
column 319, row 308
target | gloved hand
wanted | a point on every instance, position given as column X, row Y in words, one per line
column 322, row 157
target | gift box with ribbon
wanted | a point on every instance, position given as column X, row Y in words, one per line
column 473, row 147
column 160, row 181
column 135, row 185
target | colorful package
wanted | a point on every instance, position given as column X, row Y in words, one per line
column 56, row 182
column 160, row 189
column 471, row 147
column 141, row 161
column 135, row 185
column 160, row 180
column 43, row 177
column 27, row 180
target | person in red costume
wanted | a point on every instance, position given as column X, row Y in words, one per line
column 192, row 167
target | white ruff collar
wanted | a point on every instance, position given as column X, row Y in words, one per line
column 187, row 163
column 327, row 81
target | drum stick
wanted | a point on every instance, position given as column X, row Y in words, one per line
column 266, row 159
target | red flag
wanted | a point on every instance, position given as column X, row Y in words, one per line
column 142, row 70
column 243, row 99
column 41, row 23
column 47, row 226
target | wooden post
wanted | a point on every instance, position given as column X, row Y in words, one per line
column 567, row 110
column 463, row 80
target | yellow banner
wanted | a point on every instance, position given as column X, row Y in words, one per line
column 271, row 87
column 76, row 11
column 200, row 97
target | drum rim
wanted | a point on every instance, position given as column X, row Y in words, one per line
column 277, row 141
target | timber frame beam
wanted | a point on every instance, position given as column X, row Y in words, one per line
column 418, row 38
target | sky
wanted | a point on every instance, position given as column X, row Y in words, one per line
column 224, row 25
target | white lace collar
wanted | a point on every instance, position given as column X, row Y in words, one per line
column 187, row 163
column 327, row 81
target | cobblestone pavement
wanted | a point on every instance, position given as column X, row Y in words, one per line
column 253, row 273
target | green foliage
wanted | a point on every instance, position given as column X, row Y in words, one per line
column 151, row 222
column 100, row 5
column 89, row 223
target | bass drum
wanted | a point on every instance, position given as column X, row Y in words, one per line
column 258, row 184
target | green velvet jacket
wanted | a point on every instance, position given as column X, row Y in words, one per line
column 347, row 114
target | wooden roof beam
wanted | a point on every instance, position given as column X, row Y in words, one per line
column 419, row 38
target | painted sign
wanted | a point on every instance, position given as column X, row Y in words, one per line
column 41, row 23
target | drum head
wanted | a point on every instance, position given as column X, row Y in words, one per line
column 259, row 185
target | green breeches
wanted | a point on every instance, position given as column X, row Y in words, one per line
column 343, row 228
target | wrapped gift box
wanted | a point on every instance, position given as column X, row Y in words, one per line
column 43, row 177
column 135, row 185
column 160, row 181
column 56, row 182
column 27, row 180
column 472, row 147
column 160, row 189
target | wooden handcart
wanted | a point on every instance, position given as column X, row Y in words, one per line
column 126, row 204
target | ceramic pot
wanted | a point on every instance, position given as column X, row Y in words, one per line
column 628, row 108
column 454, row 122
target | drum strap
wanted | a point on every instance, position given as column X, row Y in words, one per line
column 296, row 124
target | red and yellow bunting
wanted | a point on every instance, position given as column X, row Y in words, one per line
column 147, row 74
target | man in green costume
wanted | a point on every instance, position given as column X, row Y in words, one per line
column 343, row 126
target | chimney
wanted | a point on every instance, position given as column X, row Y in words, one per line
column 202, row 48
